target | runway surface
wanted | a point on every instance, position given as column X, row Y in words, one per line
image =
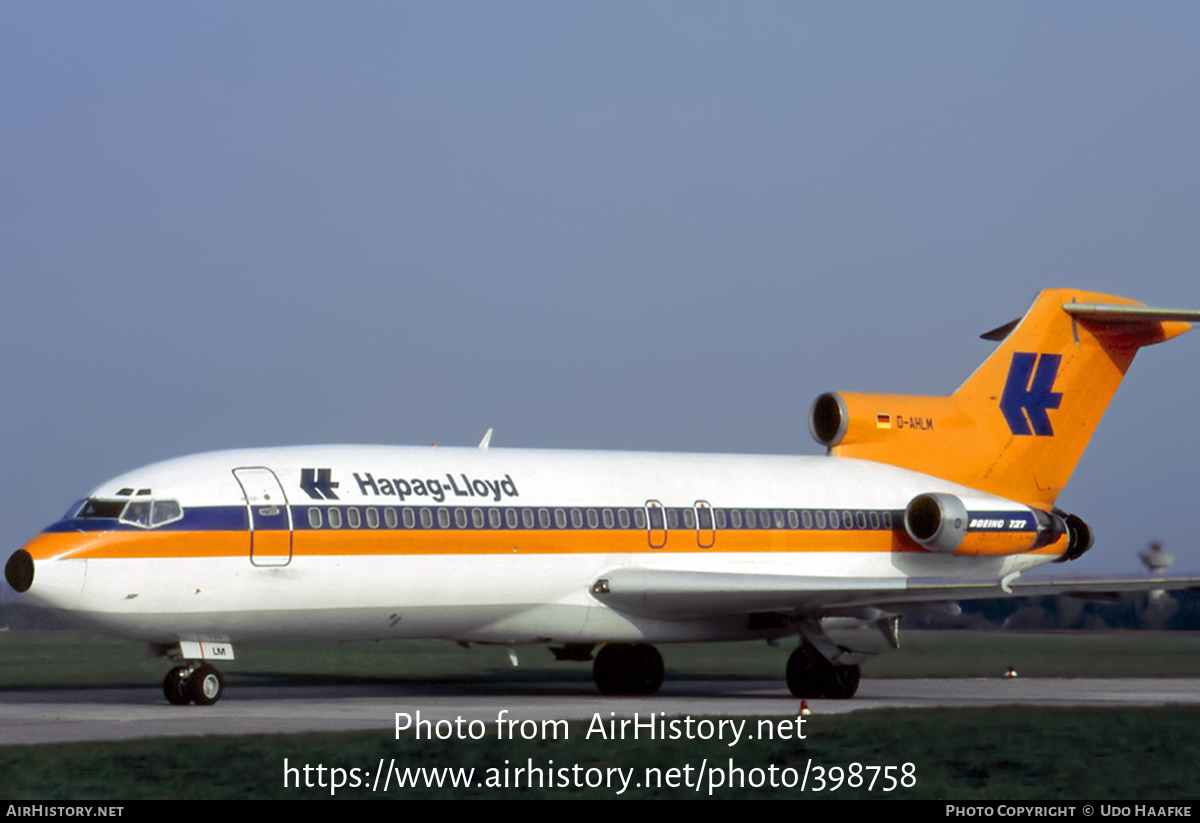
column 55, row 716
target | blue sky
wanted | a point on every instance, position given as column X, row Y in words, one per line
column 620, row 226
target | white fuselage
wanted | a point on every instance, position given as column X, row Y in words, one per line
column 486, row 545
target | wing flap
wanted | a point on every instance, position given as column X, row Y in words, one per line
column 672, row 594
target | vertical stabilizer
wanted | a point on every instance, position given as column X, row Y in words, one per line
column 1019, row 424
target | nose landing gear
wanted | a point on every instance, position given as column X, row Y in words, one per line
column 200, row 684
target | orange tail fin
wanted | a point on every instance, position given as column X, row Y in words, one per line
column 1018, row 425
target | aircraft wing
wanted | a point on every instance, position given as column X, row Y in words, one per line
column 678, row 594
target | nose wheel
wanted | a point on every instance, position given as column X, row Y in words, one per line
column 201, row 685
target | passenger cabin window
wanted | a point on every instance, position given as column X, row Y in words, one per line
column 148, row 513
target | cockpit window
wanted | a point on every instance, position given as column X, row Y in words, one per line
column 137, row 513
column 101, row 508
column 146, row 514
column 165, row 511
column 150, row 514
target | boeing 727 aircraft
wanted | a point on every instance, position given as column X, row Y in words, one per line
column 919, row 500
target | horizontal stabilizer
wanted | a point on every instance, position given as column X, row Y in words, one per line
column 1111, row 313
column 1000, row 332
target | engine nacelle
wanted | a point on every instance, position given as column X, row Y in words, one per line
column 942, row 523
column 937, row 521
column 1079, row 536
column 829, row 419
column 855, row 419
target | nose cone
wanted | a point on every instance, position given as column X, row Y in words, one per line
column 18, row 571
column 60, row 573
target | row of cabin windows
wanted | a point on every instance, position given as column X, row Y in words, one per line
column 513, row 517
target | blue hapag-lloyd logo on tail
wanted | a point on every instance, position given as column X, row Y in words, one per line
column 1025, row 401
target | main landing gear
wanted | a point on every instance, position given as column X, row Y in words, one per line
column 817, row 668
column 628, row 669
column 809, row 674
column 196, row 683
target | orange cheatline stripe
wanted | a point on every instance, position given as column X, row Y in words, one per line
column 131, row 544
column 367, row 542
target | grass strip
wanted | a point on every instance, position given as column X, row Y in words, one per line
column 968, row 754
column 66, row 659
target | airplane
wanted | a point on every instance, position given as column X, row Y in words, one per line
column 919, row 500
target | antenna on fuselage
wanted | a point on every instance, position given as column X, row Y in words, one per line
column 487, row 439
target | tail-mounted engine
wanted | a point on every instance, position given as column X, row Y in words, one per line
column 829, row 419
column 881, row 423
column 941, row 523
column 1079, row 536
column 937, row 521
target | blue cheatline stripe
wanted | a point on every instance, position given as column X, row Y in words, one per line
column 546, row 518
column 195, row 519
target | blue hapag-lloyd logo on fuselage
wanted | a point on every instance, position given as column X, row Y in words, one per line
column 1027, row 394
